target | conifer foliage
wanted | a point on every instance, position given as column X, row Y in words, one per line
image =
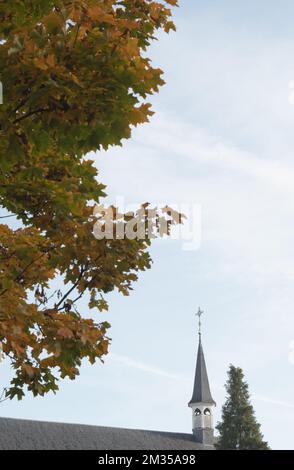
column 239, row 429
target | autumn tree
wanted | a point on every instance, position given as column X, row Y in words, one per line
column 76, row 78
column 239, row 429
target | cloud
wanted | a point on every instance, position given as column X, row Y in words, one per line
column 165, row 151
column 151, row 369
column 272, row 401
column 247, row 201
column 199, row 146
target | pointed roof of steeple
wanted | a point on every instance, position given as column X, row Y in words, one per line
column 201, row 390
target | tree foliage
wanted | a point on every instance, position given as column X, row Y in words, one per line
column 238, row 428
column 76, row 78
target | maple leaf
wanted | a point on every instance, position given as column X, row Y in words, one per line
column 65, row 332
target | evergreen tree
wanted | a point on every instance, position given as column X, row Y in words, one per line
column 239, row 429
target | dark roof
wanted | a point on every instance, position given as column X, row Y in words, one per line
column 201, row 390
column 18, row 434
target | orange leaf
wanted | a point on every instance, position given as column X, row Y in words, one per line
column 65, row 332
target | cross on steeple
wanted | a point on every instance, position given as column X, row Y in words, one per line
column 198, row 314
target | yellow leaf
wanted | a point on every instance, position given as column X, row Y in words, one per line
column 97, row 14
column 53, row 22
column 51, row 60
column 40, row 63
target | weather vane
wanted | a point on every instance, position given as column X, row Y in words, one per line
column 198, row 314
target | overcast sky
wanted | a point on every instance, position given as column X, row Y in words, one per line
column 222, row 139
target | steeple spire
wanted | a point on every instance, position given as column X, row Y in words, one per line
column 201, row 402
column 201, row 389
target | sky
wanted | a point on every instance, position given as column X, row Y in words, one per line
column 221, row 145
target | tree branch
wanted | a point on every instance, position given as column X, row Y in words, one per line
column 20, row 275
column 31, row 113
column 71, row 289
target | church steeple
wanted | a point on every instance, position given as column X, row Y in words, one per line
column 202, row 402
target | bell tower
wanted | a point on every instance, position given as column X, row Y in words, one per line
column 202, row 403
